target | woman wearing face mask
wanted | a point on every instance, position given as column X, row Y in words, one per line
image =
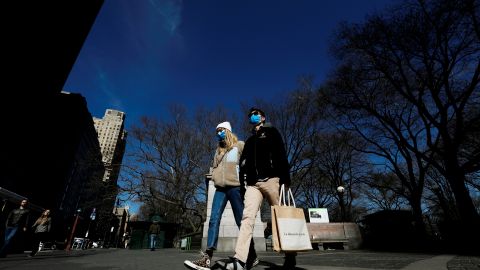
column 225, row 175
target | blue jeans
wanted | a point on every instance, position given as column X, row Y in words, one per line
column 9, row 234
column 220, row 199
column 153, row 241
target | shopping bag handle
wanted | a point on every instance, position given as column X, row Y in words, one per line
column 286, row 197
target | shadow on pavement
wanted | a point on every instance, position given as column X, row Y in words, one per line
column 220, row 264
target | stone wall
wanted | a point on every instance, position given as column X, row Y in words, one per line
column 228, row 233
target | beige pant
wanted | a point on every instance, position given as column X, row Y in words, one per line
column 254, row 195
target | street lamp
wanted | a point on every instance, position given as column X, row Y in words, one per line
column 69, row 243
column 92, row 217
column 341, row 191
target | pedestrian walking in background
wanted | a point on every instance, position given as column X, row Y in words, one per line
column 225, row 175
column 17, row 222
column 153, row 231
column 264, row 167
column 41, row 231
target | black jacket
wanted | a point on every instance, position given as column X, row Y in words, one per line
column 264, row 156
column 18, row 218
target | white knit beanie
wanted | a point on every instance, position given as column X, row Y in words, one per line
column 225, row 125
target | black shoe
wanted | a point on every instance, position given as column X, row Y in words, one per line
column 234, row 264
column 251, row 263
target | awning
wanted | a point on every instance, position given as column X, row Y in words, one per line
column 16, row 198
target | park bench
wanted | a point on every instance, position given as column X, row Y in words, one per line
column 322, row 233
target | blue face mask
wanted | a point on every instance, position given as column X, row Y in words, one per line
column 255, row 119
column 221, row 135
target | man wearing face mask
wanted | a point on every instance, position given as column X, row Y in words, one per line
column 225, row 175
column 264, row 167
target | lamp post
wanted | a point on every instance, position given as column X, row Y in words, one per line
column 92, row 217
column 341, row 191
column 69, row 243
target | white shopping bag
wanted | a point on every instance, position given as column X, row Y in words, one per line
column 289, row 228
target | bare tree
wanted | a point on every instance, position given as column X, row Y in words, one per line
column 340, row 164
column 167, row 162
column 384, row 191
column 423, row 64
column 315, row 190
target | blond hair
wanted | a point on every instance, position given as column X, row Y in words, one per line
column 43, row 218
column 228, row 143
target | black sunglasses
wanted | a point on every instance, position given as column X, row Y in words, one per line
column 253, row 113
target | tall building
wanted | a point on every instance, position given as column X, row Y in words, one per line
column 55, row 169
column 112, row 138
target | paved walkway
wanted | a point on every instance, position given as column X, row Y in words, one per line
column 172, row 259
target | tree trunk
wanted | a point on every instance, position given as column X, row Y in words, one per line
column 418, row 218
column 466, row 234
column 456, row 179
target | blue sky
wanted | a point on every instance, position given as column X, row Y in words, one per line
column 140, row 56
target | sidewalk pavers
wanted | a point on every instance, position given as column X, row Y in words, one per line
column 172, row 259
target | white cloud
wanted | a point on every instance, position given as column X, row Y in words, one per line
column 106, row 87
